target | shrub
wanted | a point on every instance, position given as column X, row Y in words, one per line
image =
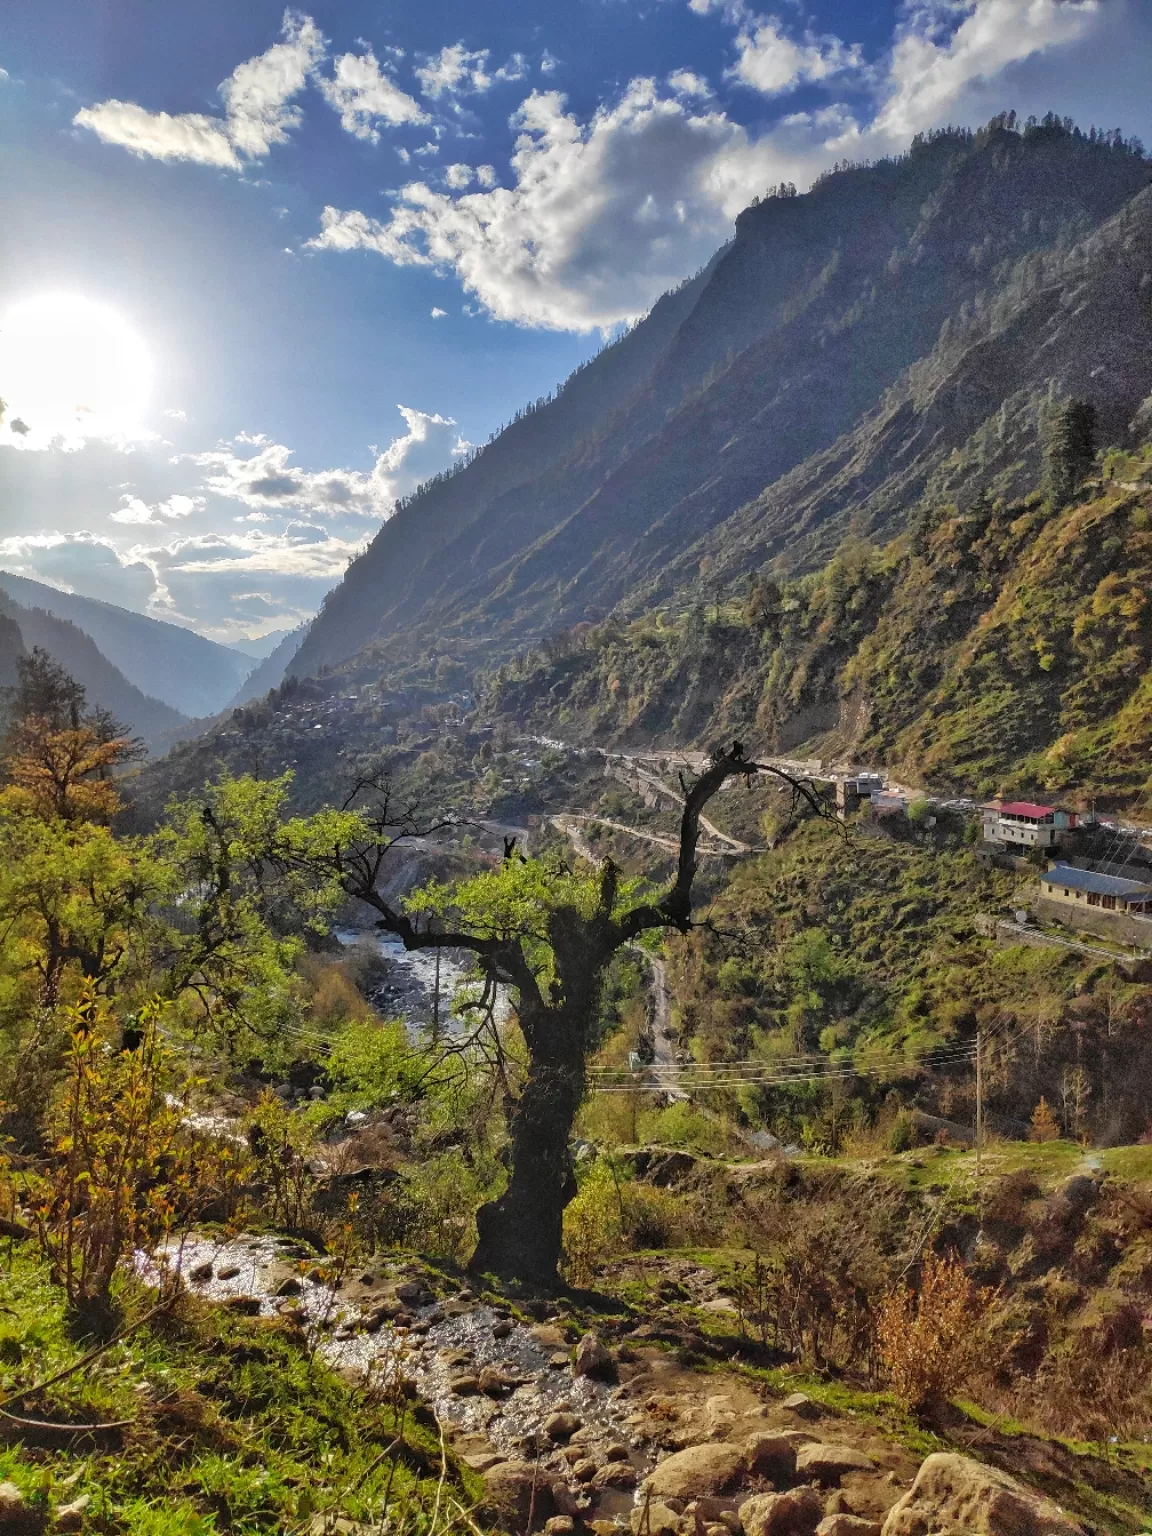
column 930, row 1342
column 902, row 1136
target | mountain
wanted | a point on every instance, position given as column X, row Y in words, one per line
column 78, row 654
column 1005, row 648
column 263, row 646
column 194, row 676
column 272, row 671
column 895, row 332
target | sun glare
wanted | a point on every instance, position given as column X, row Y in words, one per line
column 70, row 370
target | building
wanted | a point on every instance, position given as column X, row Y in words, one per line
column 1085, row 888
column 1018, row 824
column 856, row 788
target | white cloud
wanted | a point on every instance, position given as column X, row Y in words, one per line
column 81, row 562
column 438, row 313
column 771, row 62
column 602, row 218
column 266, row 479
column 515, row 69
column 454, row 71
column 935, row 61
column 685, row 83
column 363, row 95
column 548, row 63
column 458, row 176
column 133, row 510
column 486, row 175
column 256, row 111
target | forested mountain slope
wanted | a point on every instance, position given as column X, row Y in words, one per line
column 193, row 675
column 898, row 328
column 105, row 685
column 1008, row 646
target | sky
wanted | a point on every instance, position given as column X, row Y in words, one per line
column 262, row 271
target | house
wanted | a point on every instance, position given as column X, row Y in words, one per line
column 1019, row 824
column 854, row 789
column 1085, row 888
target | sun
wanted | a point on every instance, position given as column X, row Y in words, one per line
column 70, row 370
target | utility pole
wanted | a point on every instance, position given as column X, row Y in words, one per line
column 436, row 1004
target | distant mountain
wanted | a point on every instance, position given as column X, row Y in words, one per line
column 272, row 670
column 12, row 647
column 193, row 675
column 263, row 645
column 78, row 654
column 894, row 333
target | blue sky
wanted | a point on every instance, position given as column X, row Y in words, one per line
column 317, row 252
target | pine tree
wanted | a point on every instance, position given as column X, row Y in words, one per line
column 1069, row 450
column 1045, row 1126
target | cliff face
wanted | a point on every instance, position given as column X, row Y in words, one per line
column 896, row 330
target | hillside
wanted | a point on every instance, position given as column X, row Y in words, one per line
column 271, row 671
column 192, row 675
column 895, row 330
column 105, row 684
column 1008, row 646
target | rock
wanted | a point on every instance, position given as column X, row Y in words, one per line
column 592, row 1358
column 229, row 1272
column 616, row 1452
column 247, row 1306
column 953, row 1494
column 70, row 1517
column 483, row 1461
column 548, row 1336
column 828, row 1463
column 559, row 1525
column 561, row 1426
column 616, row 1474
column 15, row 1514
column 802, row 1405
column 464, row 1385
column 494, row 1382
column 513, row 1488
column 385, row 1312
column 654, row 1519
column 847, row 1525
column 199, row 1273
column 503, row 1328
column 772, row 1456
column 558, row 1361
column 289, row 1287
column 411, row 1290
column 795, row 1513
column 565, row 1500
column 584, row 1470
column 698, row 1471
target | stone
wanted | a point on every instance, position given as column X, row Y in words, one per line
column 828, row 1463
column 513, row 1488
column 592, row 1358
column 953, row 1494
column 503, row 1328
column 697, row 1472
column 558, row 1361
column 385, row 1312
column 771, row 1456
column 15, row 1514
column 616, row 1474
column 247, row 1306
column 654, row 1519
column 564, row 1499
column 795, row 1513
column 559, row 1525
column 464, row 1385
column 483, row 1461
column 70, row 1517
column 561, row 1426
column 584, row 1470
column 199, row 1273
column 616, row 1452
column 802, row 1405
column 548, row 1336
column 411, row 1290
column 229, row 1272
column 847, row 1525
column 289, row 1287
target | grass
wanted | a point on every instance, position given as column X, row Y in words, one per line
column 234, row 1425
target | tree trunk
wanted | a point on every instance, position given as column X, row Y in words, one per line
column 521, row 1233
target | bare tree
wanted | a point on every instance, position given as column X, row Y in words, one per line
column 520, row 1232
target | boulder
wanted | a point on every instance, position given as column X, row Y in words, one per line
column 616, row 1474
column 464, row 1385
column 828, row 1463
column 697, row 1472
column 584, row 1470
column 483, row 1461
column 795, row 1513
column 771, row 1456
column 513, row 1489
column 559, row 1525
column 199, row 1273
column 592, row 1358
column 802, row 1405
column 956, row 1496
column 843, row 1524
column 561, row 1426
column 564, row 1500
column 654, row 1519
